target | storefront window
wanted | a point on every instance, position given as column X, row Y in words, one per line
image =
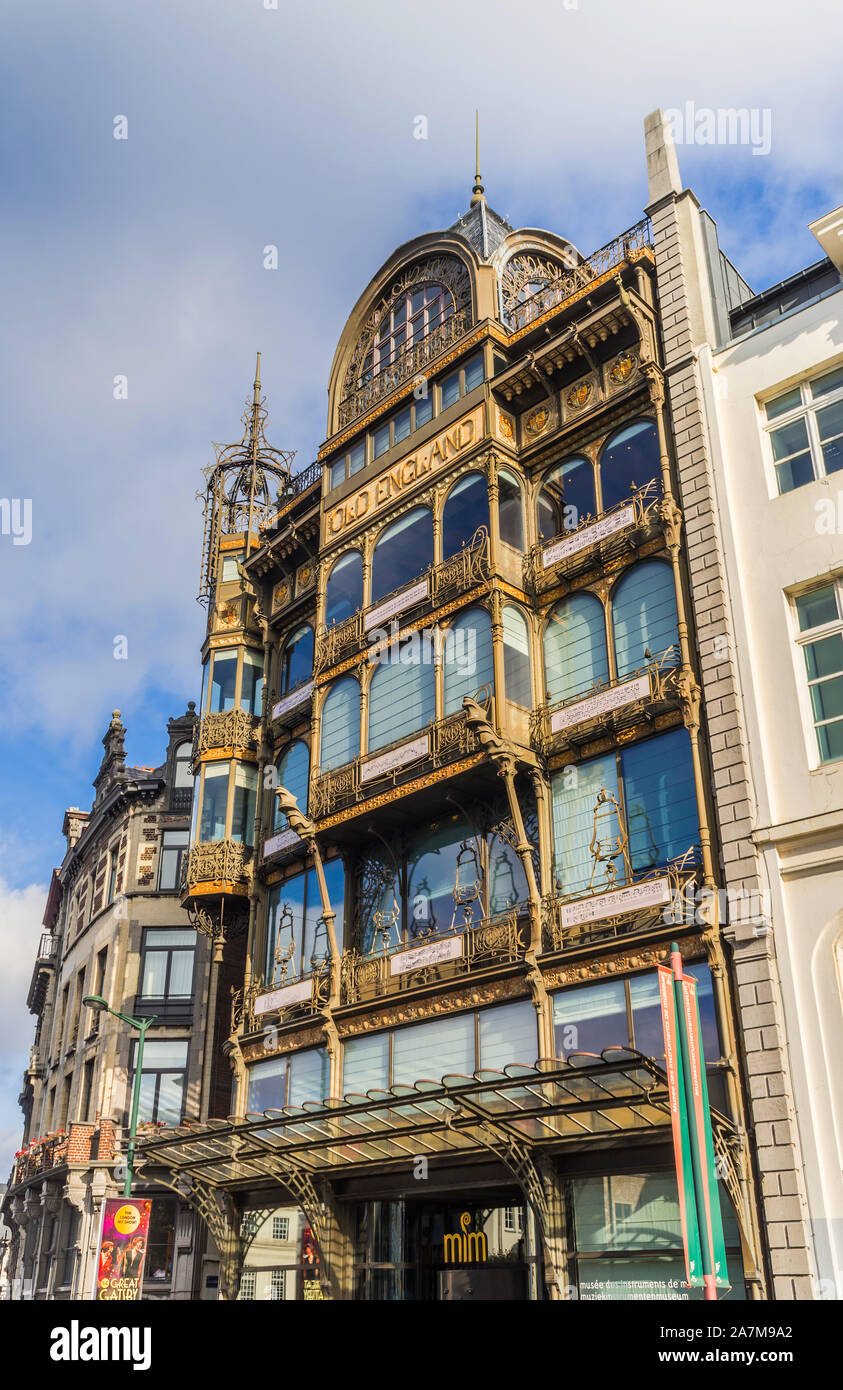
column 158, row 1268
column 289, row 1080
column 281, row 1260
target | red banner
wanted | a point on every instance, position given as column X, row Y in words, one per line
column 122, row 1249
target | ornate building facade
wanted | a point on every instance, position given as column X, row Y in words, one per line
column 113, row 927
column 458, row 788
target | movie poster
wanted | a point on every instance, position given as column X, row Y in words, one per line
column 122, row 1252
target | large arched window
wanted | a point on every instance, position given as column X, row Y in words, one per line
column 575, row 647
column 340, row 741
column 403, row 551
column 402, row 696
column 467, row 657
column 516, row 657
column 412, row 314
column 628, row 459
column 466, row 508
column 293, row 769
column 566, row 497
column 510, row 516
column 644, row 615
column 344, row 593
column 297, row 659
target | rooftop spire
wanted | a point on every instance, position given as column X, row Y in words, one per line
column 255, row 422
column 477, row 191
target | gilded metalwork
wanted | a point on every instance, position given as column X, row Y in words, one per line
column 232, row 728
column 532, row 284
column 589, row 545
column 215, row 861
column 557, row 936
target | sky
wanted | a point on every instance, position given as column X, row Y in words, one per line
column 251, row 124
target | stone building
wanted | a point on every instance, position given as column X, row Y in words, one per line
column 113, row 927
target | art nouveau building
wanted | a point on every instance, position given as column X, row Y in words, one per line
column 441, row 857
column 114, row 927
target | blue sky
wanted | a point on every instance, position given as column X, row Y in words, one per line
column 250, row 126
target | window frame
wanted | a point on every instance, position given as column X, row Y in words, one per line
column 804, row 682
column 807, row 409
column 180, row 851
column 158, row 1073
column 148, row 945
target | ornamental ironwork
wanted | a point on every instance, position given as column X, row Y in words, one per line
column 216, row 861
column 574, row 920
column 610, row 707
column 610, row 535
column 231, row 728
column 243, row 1011
column 532, row 284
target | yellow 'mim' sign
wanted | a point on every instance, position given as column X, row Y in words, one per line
column 461, row 1247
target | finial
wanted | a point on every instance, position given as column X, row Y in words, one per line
column 258, row 380
column 477, row 190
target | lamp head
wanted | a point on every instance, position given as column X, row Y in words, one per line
column 95, row 1002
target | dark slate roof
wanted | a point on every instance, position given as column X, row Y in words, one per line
column 483, row 229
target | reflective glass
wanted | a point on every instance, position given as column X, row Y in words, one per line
column 575, row 655
column 629, row 459
column 432, row 1050
column 644, row 616
column 466, row 509
column 340, row 741
column 507, row 1034
column 467, row 657
column 297, row 660
column 661, row 803
column 403, row 552
column 590, row 1019
column 365, row 1064
column 268, row 1085
column 516, row 657
column 510, row 521
column 309, row 1076
column 344, row 592
column 576, row 816
column 214, row 801
column 223, row 681
column 293, row 771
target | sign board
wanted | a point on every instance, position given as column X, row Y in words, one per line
column 298, row 697
column 597, row 531
column 280, row 998
column 122, row 1248
column 395, row 758
column 288, row 839
column 419, row 956
column 416, row 593
column 601, row 703
column 652, row 893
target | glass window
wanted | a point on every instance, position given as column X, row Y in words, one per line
column 507, row 1034
column 816, row 612
column 510, row 520
column 629, row 459
column 380, row 441
column 444, row 878
column 293, row 769
column 792, row 455
column 566, row 497
column 357, row 458
column 344, row 592
column 337, row 473
column 423, row 410
column 807, row 440
column 173, row 845
column 450, row 388
column 252, row 692
column 429, row 1051
column 167, row 956
column 309, row 1076
column 575, row 656
column 280, row 1228
column 573, row 803
column 340, row 738
column 817, row 608
column 214, row 801
column 365, row 1064
column 830, row 381
column 401, row 425
column 182, row 774
column 467, row 657
column 229, row 570
column 268, row 1085
column 245, row 797
column 591, row 1019
column 297, row 659
column 402, row 694
column 223, row 680
column 661, row 803
column 158, row 1266
column 296, row 933
column 473, row 370
column 404, row 551
column 466, row 508
column 644, row 616
column 791, row 400
column 162, row 1080
column 112, row 877
column 516, row 657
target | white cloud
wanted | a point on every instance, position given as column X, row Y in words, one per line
column 21, row 911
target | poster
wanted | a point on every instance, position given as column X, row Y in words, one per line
column 122, row 1250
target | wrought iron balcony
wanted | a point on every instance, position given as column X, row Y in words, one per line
column 219, row 862
column 605, row 912
column 607, row 707
column 437, row 585
column 499, row 940
column 440, row 742
column 519, row 313
column 286, row 1000
column 598, row 539
column 232, row 728
column 45, row 963
column 405, row 366
column 291, row 490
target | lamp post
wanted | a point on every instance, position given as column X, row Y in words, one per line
column 99, row 1006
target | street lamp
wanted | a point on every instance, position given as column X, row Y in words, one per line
column 99, row 1006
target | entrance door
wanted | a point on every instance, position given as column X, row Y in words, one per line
column 495, row 1285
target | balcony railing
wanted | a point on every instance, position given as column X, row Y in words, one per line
column 39, row 1157
column 286, row 1000
column 519, row 313
column 607, row 707
column 440, row 742
column 215, row 861
column 500, row 940
column 291, row 708
column 406, row 365
column 293, row 489
column 231, row 728
column 597, row 539
column 643, row 905
column 456, row 575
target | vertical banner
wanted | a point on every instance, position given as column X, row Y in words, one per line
column 681, row 1132
column 708, row 1198
column 122, row 1248
column 311, row 1286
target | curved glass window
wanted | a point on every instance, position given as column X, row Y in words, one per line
column 223, row 680
column 566, row 498
column 340, row 741
column 444, row 879
column 410, row 317
column 295, row 929
column 243, row 808
column 575, row 655
column 293, row 768
column 573, row 807
column 214, row 801
column 644, row 615
column 297, row 659
column 402, row 695
column 466, row 508
column 516, row 657
column 251, row 694
column 510, row 515
column 467, row 657
column 344, row 592
column 661, row 803
column 628, row 459
column 405, row 550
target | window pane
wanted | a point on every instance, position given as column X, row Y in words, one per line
column 357, row 458
column 154, row 974
column 146, row 1096
column 338, row 473
column 791, row 400
column 268, row 1085
column 157, row 937
column 830, row 739
column 575, row 656
column 831, row 381
column 509, row 511
column 403, row 551
column 467, row 657
column 285, row 905
column 644, row 616
column 344, row 592
column 223, row 681
column 243, row 812
column 430, row 1051
column 424, row 410
column 402, row 695
column 830, row 423
column 712, row 1050
column 181, row 975
column 648, row 1035
column 516, row 657
column 450, row 390
column 573, row 808
column 817, row 607
column 335, row 884
column 340, row 741
column 508, row 1034
column 434, row 859
column 161, row 1056
column 402, row 425
column 567, row 497
column 630, row 458
column 661, row 804
column 365, row 1064
column 590, row 1019
column 183, row 776
column 473, row 373
column 250, row 698
column 168, row 876
column 170, row 1097
column 797, row 472
column 635, row 1212
column 825, row 657
column 309, row 1076
column 380, row 441
column 789, row 439
column 293, row 773
column 214, row 799
column 466, row 508
column 297, row 660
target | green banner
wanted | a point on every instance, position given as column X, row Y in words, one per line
column 708, row 1195
column 681, row 1130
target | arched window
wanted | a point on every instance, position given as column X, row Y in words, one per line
column 344, row 593
column 575, row 647
column 566, row 497
column 340, row 741
column 644, row 615
column 444, row 864
column 466, row 508
column 182, row 774
column 410, row 317
column 402, row 696
column 510, row 517
column 467, row 657
column 516, row 657
column 404, row 550
column 293, row 769
column 628, row 459
column 297, row 659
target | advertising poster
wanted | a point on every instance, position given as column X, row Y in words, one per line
column 122, row 1251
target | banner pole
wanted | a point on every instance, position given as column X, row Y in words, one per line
column 709, row 1283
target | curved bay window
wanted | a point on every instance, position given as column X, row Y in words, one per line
column 402, row 694
column 466, row 508
column 566, row 498
column 516, row 657
column 296, row 660
column 467, row 657
column 628, row 459
column 223, row 683
column 344, row 591
column 236, row 680
column 340, row 733
column 227, row 795
column 575, row 654
column 296, row 936
column 402, row 552
column 648, row 804
column 293, row 772
column 510, row 511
